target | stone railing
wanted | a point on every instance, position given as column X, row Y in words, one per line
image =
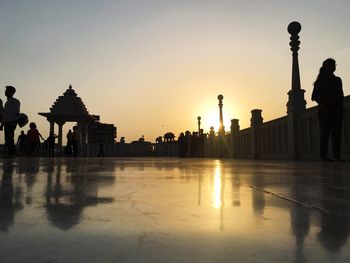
column 270, row 140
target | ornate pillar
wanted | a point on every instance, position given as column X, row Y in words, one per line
column 221, row 128
column 255, row 123
column 52, row 127
column 234, row 133
column 199, row 124
column 296, row 103
column 60, row 135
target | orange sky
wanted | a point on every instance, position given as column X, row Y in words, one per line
column 153, row 66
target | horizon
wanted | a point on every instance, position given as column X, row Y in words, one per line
column 166, row 60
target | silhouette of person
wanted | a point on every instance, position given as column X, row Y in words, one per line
column 1, row 111
column 51, row 144
column 75, row 141
column 11, row 114
column 69, row 143
column 182, row 145
column 33, row 138
column 21, row 142
column 328, row 93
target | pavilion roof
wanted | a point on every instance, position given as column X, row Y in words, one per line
column 69, row 104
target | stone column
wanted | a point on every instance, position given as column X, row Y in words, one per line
column 296, row 103
column 221, row 128
column 255, row 123
column 52, row 127
column 199, row 124
column 234, row 134
column 60, row 135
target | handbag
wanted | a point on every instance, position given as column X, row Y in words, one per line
column 22, row 120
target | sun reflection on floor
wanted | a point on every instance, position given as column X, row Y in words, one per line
column 217, row 187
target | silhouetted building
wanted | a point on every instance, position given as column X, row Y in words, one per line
column 102, row 133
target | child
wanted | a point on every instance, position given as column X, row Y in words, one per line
column 33, row 139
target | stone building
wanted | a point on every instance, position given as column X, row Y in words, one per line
column 70, row 108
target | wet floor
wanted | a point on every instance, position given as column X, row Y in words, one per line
column 173, row 210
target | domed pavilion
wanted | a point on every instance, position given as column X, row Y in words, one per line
column 69, row 108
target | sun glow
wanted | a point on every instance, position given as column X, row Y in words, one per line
column 217, row 187
column 212, row 119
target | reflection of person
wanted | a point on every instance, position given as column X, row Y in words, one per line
column 9, row 199
column 328, row 93
column 11, row 113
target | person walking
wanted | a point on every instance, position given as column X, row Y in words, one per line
column 33, row 137
column 328, row 93
column 9, row 119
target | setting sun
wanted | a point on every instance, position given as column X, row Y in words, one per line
column 212, row 119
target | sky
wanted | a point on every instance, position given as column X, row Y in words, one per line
column 150, row 66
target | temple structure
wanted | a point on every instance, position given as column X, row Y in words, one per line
column 70, row 108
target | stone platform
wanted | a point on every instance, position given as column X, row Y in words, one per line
column 173, row 210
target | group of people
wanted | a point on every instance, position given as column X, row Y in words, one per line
column 28, row 144
column 192, row 144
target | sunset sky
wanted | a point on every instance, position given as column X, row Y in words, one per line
column 153, row 66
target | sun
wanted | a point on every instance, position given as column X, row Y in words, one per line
column 211, row 119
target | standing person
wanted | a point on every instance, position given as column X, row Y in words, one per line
column 68, row 150
column 33, row 138
column 11, row 114
column 21, row 142
column 1, row 110
column 328, row 93
column 51, row 144
column 75, row 141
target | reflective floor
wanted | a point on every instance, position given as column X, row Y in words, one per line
column 173, row 210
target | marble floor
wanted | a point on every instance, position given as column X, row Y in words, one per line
column 173, row 210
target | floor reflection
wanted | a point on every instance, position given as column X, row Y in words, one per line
column 300, row 212
column 10, row 197
column 65, row 202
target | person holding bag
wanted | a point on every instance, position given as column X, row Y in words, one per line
column 9, row 119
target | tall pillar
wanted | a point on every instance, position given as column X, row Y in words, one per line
column 296, row 103
column 255, row 123
column 234, row 134
column 199, row 124
column 60, row 135
column 221, row 128
column 52, row 127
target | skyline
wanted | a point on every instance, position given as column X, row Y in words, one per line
column 171, row 58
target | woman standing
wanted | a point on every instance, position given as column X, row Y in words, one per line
column 328, row 93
